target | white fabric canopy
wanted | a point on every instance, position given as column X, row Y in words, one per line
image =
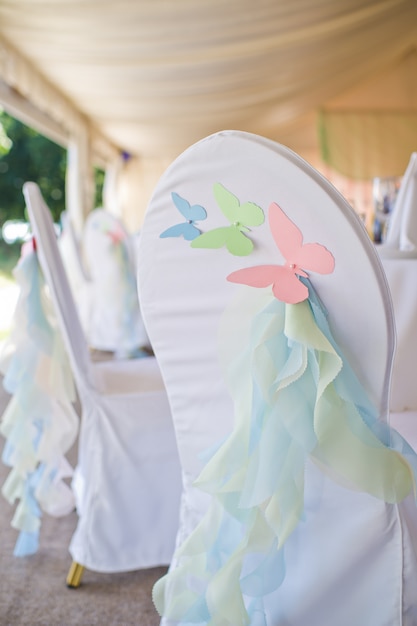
column 131, row 84
column 153, row 77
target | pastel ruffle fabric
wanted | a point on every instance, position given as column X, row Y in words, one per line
column 295, row 397
column 129, row 309
column 40, row 423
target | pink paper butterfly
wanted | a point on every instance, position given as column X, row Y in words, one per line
column 298, row 257
column 116, row 235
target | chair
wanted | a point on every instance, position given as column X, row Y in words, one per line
column 115, row 322
column 398, row 256
column 292, row 510
column 127, row 481
column 401, row 274
column 400, row 269
column 402, row 225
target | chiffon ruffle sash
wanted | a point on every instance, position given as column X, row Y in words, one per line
column 295, row 397
column 40, row 423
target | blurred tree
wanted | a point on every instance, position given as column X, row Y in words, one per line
column 29, row 156
column 99, row 181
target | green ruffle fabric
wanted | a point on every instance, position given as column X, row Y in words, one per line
column 295, row 397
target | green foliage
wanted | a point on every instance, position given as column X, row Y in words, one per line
column 31, row 157
column 99, row 180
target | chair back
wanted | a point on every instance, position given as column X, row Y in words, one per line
column 116, row 320
column 401, row 273
column 184, row 289
column 402, row 225
column 56, row 278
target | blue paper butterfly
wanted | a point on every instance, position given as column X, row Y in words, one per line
column 192, row 213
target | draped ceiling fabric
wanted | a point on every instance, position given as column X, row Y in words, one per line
column 371, row 130
column 367, row 145
column 150, row 77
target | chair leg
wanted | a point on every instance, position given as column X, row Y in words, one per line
column 74, row 575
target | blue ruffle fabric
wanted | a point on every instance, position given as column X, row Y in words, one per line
column 295, row 397
column 40, row 423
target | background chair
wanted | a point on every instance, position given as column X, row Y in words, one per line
column 402, row 225
column 351, row 558
column 398, row 256
column 127, row 480
column 115, row 321
column 400, row 269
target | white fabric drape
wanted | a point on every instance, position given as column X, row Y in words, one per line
column 156, row 76
column 151, row 78
column 364, row 144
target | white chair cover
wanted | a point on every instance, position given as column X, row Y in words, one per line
column 127, row 482
column 402, row 225
column 399, row 259
column 351, row 558
column 115, row 322
column 401, row 271
column 402, row 280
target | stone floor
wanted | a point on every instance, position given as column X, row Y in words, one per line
column 33, row 590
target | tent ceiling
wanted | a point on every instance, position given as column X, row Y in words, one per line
column 156, row 75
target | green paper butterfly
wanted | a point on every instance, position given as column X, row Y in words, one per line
column 240, row 217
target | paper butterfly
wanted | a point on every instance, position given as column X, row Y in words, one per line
column 298, row 257
column 116, row 234
column 187, row 229
column 240, row 216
